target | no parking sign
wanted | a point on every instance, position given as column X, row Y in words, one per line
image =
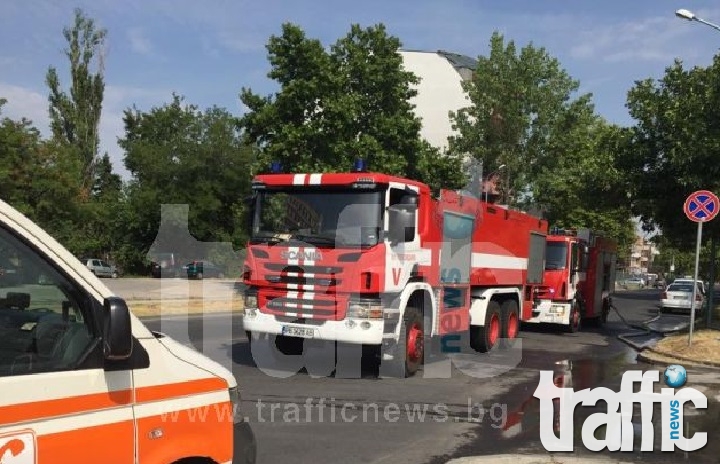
column 700, row 206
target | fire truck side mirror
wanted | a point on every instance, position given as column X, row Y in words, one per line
column 402, row 223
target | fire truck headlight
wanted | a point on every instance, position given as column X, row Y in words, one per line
column 250, row 301
column 557, row 309
column 365, row 309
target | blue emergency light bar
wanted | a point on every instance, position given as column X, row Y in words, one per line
column 276, row 167
column 360, row 165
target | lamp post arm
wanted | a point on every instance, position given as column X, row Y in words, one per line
column 708, row 23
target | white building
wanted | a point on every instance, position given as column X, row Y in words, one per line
column 440, row 90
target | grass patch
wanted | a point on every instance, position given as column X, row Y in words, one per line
column 193, row 306
column 705, row 346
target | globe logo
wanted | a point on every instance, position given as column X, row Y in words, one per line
column 675, row 376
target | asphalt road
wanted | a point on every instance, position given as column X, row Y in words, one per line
column 480, row 408
column 146, row 288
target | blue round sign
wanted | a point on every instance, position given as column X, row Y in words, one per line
column 701, row 206
column 675, row 376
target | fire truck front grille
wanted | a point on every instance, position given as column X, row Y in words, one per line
column 313, row 309
column 328, row 270
column 302, row 280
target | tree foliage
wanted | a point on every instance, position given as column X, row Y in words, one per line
column 335, row 106
column 676, row 145
column 75, row 114
column 522, row 106
column 557, row 153
column 178, row 154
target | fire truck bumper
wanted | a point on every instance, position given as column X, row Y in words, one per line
column 354, row 331
column 551, row 312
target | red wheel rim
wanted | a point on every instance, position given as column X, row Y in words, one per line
column 494, row 331
column 512, row 325
column 415, row 343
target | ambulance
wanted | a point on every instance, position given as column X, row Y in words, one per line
column 82, row 380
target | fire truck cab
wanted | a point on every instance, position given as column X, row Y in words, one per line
column 579, row 278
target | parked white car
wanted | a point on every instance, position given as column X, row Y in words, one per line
column 678, row 295
column 701, row 284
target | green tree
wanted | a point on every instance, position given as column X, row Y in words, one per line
column 585, row 185
column 75, row 114
column 676, row 145
column 178, row 154
column 521, row 108
column 558, row 155
column 351, row 101
column 38, row 178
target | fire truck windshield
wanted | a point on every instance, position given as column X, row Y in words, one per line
column 556, row 255
column 322, row 217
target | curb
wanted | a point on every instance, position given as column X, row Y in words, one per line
column 625, row 339
column 535, row 459
column 678, row 357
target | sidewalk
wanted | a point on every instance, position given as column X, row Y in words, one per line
column 535, row 459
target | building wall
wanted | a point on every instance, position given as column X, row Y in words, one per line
column 439, row 92
column 642, row 253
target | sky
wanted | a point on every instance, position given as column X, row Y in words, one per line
column 208, row 51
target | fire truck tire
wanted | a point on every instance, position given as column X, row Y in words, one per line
column 484, row 339
column 600, row 320
column 575, row 319
column 408, row 354
column 289, row 346
column 510, row 322
column 265, row 354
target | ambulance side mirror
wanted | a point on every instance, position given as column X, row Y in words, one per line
column 117, row 329
column 402, row 223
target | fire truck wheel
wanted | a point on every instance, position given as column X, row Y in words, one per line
column 575, row 319
column 289, row 346
column 409, row 350
column 511, row 321
column 483, row 339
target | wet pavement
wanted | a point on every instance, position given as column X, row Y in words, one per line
column 522, row 431
column 521, row 434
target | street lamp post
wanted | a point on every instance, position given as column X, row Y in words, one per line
column 690, row 16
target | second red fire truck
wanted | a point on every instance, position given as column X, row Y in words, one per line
column 375, row 260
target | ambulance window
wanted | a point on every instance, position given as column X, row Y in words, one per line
column 43, row 319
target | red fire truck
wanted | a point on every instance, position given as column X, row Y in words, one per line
column 579, row 278
column 375, row 260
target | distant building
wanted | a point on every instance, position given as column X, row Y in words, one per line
column 642, row 254
column 439, row 91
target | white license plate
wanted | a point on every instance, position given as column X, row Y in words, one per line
column 680, row 298
column 302, row 332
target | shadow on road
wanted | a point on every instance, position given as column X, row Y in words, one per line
column 317, row 363
column 649, row 294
